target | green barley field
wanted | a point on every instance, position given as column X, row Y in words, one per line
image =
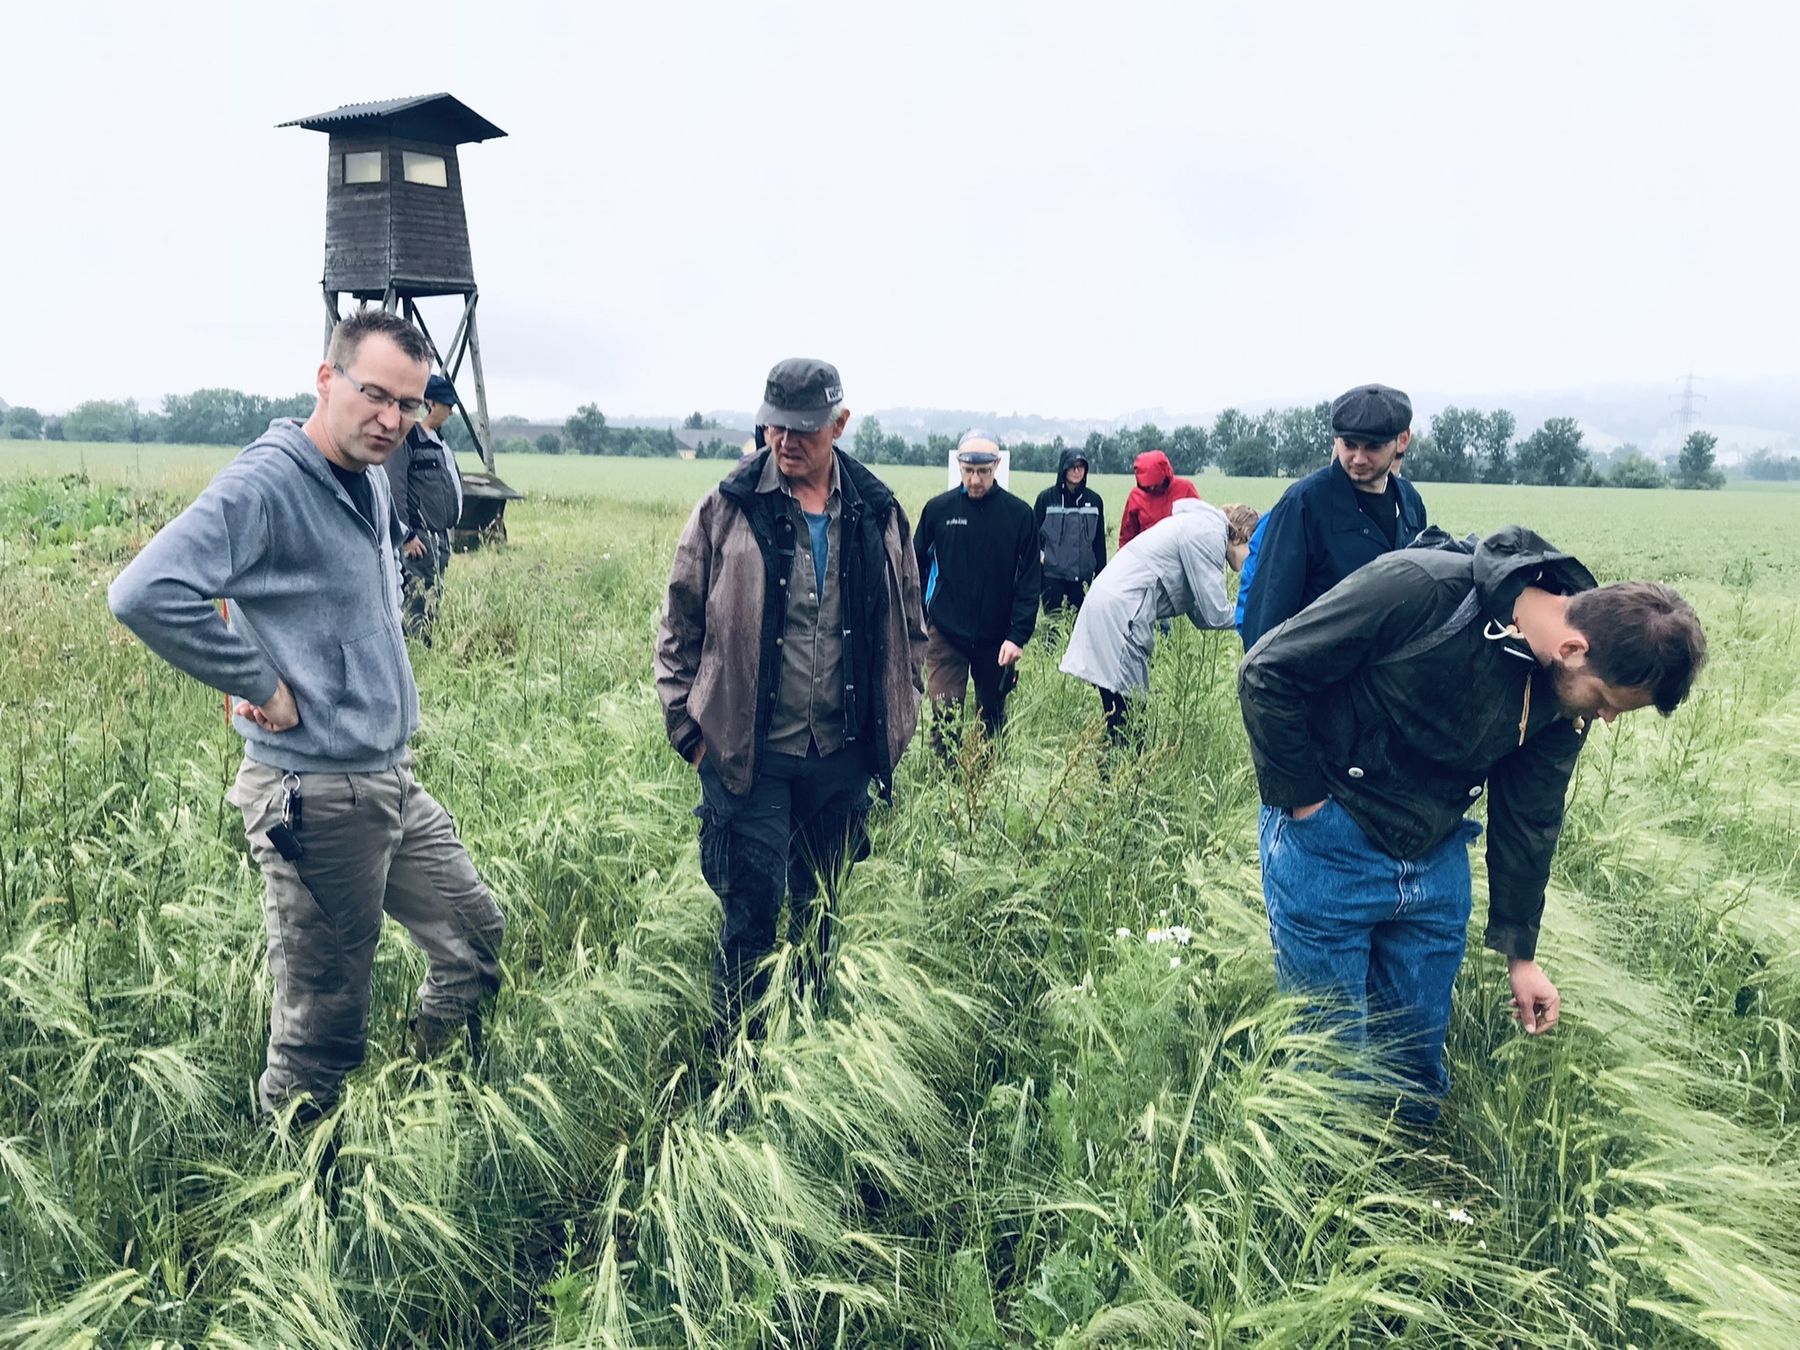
column 1015, row 1119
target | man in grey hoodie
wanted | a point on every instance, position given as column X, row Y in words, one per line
column 295, row 534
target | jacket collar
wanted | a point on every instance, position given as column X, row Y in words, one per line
column 855, row 482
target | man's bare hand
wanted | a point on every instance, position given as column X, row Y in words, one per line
column 279, row 714
column 1536, row 1003
column 1302, row 812
column 414, row 547
column 1010, row 652
column 698, row 755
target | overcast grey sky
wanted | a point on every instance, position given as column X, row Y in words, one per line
column 1073, row 209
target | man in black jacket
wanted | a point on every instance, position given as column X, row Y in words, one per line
column 977, row 547
column 428, row 499
column 1381, row 713
column 1071, row 521
column 1334, row 520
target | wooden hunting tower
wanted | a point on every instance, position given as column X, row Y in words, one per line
column 395, row 233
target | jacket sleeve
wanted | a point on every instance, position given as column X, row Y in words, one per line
column 1247, row 576
column 399, row 472
column 1204, row 558
column 1527, row 794
column 1128, row 523
column 1280, row 577
column 1028, row 584
column 1371, row 612
column 910, row 593
column 1042, row 508
column 682, row 631
column 165, row 595
column 1099, row 533
column 923, row 541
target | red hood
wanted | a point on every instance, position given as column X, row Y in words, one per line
column 1153, row 470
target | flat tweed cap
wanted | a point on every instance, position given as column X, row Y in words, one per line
column 1371, row 412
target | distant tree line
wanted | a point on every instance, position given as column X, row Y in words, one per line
column 204, row 417
column 1463, row 445
column 1466, row 445
column 588, row 432
column 1765, row 466
column 1285, row 442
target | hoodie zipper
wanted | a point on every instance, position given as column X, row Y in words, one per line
column 387, row 583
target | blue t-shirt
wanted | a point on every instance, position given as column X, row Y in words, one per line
column 819, row 527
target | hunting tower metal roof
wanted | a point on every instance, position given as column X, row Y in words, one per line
column 428, row 117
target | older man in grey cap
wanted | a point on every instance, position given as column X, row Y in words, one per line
column 978, row 550
column 788, row 666
column 1335, row 520
column 428, row 501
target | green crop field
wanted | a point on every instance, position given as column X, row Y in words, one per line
column 1014, row 1121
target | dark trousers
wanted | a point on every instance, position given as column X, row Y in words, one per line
column 949, row 668
column 1115, row 707
column 423, row 579
column 1061, row 591
column 796, row 833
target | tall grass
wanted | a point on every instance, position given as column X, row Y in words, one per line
column 1006, row 1123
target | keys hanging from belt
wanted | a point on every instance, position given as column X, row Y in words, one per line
column 284, row 835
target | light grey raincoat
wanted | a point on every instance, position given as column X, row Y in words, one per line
column 1176, row 567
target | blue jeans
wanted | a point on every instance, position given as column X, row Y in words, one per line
column 1371, row 935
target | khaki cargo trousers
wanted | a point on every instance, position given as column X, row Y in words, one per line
column 372, row 844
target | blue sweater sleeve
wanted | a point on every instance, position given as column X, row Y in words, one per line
column 165, row 595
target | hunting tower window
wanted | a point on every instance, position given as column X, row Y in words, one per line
column 362, row 166
column 426, row 169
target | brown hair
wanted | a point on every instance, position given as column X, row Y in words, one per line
column 1240, row 522
column 1641, row 635
column 348, row 336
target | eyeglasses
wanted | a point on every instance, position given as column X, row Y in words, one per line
column 409, row 407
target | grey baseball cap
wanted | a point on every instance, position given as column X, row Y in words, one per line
column 800, row 394
column 1371, row 412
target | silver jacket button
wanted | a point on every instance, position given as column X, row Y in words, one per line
column 1475, row 791
column 1355, row 772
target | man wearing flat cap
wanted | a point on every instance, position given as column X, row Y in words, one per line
column 977, row 546
column 1337, row 519
column 428, row 500
column 787, row 662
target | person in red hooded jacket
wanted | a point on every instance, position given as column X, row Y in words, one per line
column 1154, row 497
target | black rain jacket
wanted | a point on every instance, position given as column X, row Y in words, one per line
column 1408, row 746
column 1071, row 525
column 978, row 558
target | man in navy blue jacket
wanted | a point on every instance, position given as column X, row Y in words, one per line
column 1335, row 520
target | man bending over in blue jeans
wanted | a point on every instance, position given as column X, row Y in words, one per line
column 1385, row 710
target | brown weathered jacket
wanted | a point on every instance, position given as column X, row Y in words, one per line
column 717, row 659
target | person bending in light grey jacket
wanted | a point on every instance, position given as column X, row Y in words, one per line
column 296, row 535
column 1177, row 568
